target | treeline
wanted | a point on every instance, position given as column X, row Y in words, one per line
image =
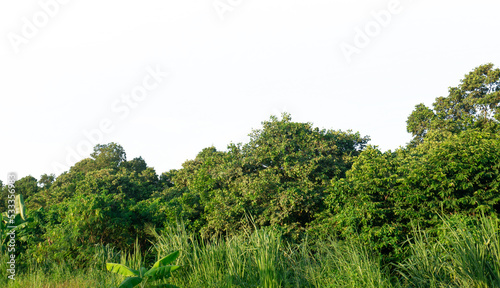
column 304, row 181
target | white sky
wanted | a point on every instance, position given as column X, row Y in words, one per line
column 225, row 75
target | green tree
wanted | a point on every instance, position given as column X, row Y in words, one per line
column 472, row 104
column 46, row 180
column 137, row 164
column 420, row 122
column 368, row 201
column 27, row 186
column 109, row 155
column 279, row 178
column 384, row 193
column 100, row 200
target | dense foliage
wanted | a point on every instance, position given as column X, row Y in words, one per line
column 304, row 182
column 278, row 178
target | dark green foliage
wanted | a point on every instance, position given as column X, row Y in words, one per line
column 100, row 201
column 306, row 183
column 27, row 186
column 46, row 181
column 137, row 164
column 384, row 193
column 278, row 177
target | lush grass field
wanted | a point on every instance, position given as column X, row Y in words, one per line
column 459, row 255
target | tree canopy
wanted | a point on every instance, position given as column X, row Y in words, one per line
column 472, row 104
column 300, row 179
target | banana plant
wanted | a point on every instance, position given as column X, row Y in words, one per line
column 160, row 271
column 13, row 222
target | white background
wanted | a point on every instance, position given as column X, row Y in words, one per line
column 227, row 74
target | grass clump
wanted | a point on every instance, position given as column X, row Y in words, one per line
column 460, row 256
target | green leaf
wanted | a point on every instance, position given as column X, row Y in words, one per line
column 121, row 269
column 143, row 271
column 20, row 208
column 161, row 272
column 20, row 226
column 167, row 259
column 130, row 282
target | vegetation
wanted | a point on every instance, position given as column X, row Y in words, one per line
column 160, row 271
column 296, row 206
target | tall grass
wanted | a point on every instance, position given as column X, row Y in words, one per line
column 466, row 253
column 462, row 256
column 261, row 259
column 48, row 275
column 344, row 264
